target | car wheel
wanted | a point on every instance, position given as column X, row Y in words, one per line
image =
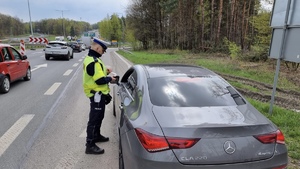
column 28, row 75
column 114, row 109
column 72, row 56
column 47, row 57
column 5, row 85
column 68, row 56
column 121, row 161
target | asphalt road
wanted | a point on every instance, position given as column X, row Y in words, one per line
column 43, row 121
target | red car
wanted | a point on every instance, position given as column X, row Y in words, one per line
column 13, row 66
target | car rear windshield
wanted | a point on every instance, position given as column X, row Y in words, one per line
column 56, row 44
column 189, row 92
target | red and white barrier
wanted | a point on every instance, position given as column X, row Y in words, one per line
column 22, row 47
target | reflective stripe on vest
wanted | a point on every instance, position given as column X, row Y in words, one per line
column 89, row 81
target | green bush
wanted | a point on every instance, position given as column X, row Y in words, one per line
column 256, row 54
column 234, row 49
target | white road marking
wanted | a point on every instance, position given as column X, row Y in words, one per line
column 52, row 89
column 39, row 66
column 11, row 134
column 80, row 60
column 67, row 162
column 76, row 64
column 68, row 72
column 128, row 65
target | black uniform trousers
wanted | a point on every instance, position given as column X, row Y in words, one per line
column 96, row 116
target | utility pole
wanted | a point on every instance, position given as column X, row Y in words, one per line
column 63, row 26
column 30, row 18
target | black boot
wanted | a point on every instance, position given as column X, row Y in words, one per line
column 93, row 149
column 101, row 139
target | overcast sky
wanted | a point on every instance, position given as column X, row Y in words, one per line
column 91, row 11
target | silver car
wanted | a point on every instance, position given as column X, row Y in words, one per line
column 82, row 45
column 188, row 117
column 58, row 49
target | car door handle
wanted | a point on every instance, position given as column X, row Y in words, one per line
column 7, row 64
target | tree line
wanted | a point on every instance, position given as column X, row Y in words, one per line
column 238, row 27
column 10, row 26
column 234, row 26
column 13, row 26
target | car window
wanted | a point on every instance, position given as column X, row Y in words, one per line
column 16, row 54
column 189, row 92
column 131, row 82
column 1, row 56
column 6, row 54
column 56, row 44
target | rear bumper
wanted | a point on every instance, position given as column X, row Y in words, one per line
column 55, row 53
column 136, row 157
column 139, row 163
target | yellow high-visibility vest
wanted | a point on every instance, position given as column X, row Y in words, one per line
column 89, row 81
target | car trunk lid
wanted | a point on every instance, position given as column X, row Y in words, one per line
column 227, row 134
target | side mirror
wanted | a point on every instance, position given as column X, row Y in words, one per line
column 24, row 57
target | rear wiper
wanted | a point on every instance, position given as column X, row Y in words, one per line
column 236, row 97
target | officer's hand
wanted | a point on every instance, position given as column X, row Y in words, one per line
column 108, row 69
column 113, row 79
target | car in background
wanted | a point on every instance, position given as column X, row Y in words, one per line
column 13, row 66
column 75, row 46
column 58, row 49
column 181, row 117
column 82, row 45
column 59, row 38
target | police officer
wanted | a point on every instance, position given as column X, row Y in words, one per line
column 95, row 84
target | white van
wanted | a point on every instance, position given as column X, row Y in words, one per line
column 59, row 38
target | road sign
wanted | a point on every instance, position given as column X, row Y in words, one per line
column 285, row 22
column 38, row 40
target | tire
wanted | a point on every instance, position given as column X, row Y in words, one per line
column 28, row 75
column 114, row 104
column 5, row 85
column 68, row 56
column 47, row 57
column 72, row 56
column 114, row 109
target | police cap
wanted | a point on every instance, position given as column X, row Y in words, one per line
column 98, row 41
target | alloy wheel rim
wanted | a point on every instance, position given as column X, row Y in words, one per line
column 6, row 84
column 28, row 74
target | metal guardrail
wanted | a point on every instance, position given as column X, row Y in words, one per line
column 28, row 45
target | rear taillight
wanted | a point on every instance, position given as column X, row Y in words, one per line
column 271, row 138
column 64, row 47
column 155, row 143
column 280, row 137
column 180, row 143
